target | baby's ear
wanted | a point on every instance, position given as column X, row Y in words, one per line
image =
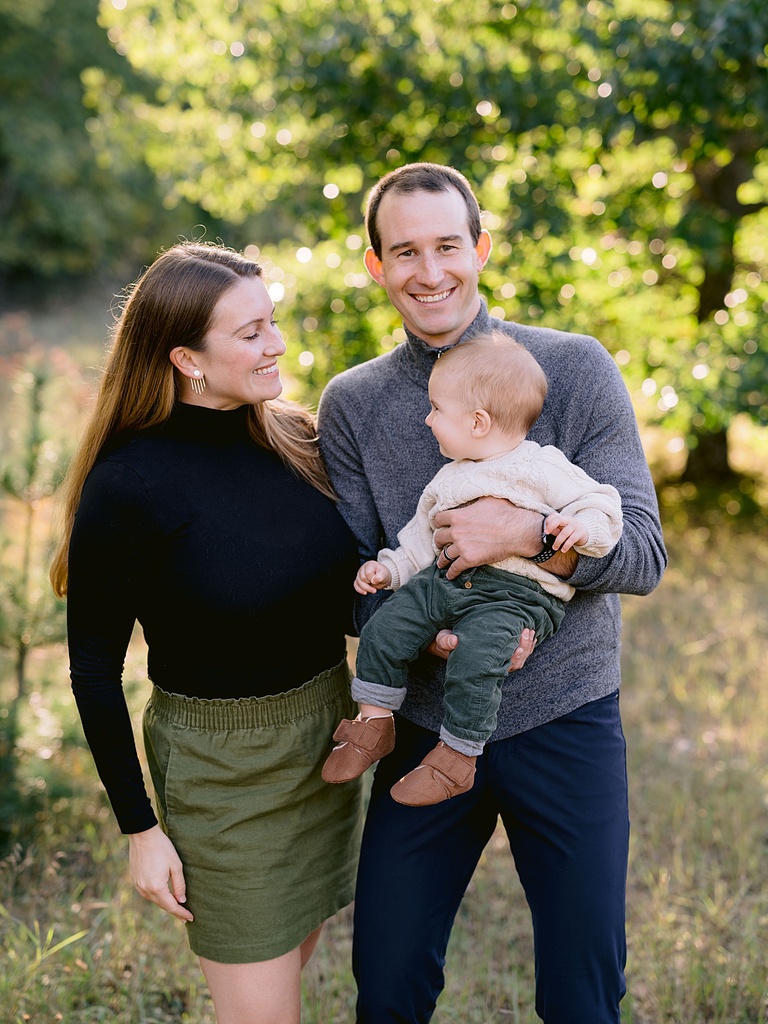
column 481, row 422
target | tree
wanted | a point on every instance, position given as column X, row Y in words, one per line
column 32, row 460
column 72, row 200
column 695, row 74
column 616, row 148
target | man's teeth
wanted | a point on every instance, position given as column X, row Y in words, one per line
column 432, row 298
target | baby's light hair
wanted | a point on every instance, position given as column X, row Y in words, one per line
column 496, row 373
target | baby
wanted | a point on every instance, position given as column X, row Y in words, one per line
column 485, row 394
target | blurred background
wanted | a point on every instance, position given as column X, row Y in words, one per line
column 619, row 151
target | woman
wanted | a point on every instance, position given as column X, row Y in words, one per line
column 198, row 505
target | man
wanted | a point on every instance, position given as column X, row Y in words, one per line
column 555, row 767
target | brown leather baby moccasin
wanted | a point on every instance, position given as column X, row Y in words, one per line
column 443, row 773
column 360, row 742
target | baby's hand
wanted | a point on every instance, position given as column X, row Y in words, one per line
column 372, row 576
column 569, row 531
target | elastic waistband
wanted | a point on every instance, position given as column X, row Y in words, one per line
column 251, row 712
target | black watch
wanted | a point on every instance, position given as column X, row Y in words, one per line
column 547, row 540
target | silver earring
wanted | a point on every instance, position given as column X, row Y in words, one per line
column 198, row 382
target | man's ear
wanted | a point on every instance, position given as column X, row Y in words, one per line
column 183, row 360
column 481, row 422
column 483, row 248
column 374, row 266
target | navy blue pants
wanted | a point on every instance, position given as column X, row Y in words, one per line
column 561, row 791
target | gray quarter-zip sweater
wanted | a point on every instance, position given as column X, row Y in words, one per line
column 381, row 455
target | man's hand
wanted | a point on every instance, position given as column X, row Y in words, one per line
column 156, row 871
column 527, row 643
column 446, row 641
column 443, row 644
column 489, row 530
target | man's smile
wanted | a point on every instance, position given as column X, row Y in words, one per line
column 427, row 299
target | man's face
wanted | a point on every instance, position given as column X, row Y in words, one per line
column 429, row 265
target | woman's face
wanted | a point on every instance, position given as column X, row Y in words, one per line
column 243, row 345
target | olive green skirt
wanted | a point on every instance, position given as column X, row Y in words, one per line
column 269, row 850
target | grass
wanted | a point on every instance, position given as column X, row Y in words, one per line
column 78, row 945
column 696, row 710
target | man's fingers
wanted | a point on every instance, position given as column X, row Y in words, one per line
column 517, row 660
column 456, row 568
column 452, row 562
column 443, row 644
column 527, row 644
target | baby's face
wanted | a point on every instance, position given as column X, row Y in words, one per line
column 449, row 419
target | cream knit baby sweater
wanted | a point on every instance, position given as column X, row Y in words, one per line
column 530, row 476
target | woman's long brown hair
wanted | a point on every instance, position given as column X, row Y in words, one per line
column 172, row 304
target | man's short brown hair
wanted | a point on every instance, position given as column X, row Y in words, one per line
column 421, row 177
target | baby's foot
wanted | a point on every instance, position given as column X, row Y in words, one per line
column 360, row 742
column 443, row 773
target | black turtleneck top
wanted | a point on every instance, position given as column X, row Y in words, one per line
column 239, row 572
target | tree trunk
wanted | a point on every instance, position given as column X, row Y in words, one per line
column 717, row 187
column 9, row 783
column 708, row 460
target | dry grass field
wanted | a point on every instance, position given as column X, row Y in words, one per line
column 77, row 945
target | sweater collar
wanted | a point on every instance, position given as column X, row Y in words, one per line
column 198, row 422
column 421, row 357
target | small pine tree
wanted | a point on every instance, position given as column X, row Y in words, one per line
column 33, row 454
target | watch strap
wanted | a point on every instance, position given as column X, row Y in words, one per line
column 547, row 540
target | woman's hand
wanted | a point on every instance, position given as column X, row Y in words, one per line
column 156, row 871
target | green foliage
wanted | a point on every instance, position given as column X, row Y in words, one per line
column 76, row 196
column 323, row 292
column 617, row 149
column 695, row 75
column 299, row 107
column 31, row 466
